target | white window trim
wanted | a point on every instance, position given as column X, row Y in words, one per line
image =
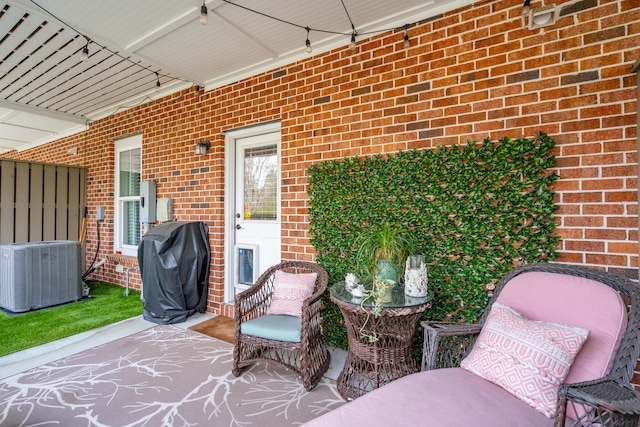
column 123, row 144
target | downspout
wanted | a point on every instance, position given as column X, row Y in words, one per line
column 636, row 69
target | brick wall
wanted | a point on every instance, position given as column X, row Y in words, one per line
column 473, row 73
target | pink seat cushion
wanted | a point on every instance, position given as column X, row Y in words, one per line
column 440, row 398
column 573, row 301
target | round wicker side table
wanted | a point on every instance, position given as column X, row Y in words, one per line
column 371, row 364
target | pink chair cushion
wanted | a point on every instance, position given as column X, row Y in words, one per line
column 440, row 398
column 290, row 291
column 576, row 301
column 528, row 358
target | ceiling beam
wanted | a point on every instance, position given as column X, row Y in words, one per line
column 43, row 112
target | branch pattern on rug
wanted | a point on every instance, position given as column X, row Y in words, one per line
column 161, row 376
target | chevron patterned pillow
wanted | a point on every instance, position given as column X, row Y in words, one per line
column 290, row 290
column 528, row 358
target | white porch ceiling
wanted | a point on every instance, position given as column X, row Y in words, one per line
column 47, row 92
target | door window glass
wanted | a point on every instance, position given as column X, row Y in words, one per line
column 261, row 183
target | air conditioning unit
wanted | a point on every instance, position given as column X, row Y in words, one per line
column 39, row 274
column 247, row 268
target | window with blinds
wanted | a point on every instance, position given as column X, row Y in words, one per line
column 127, row 197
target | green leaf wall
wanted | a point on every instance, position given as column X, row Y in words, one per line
column 474, row 212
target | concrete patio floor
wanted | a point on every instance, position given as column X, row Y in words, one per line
column 21, row 361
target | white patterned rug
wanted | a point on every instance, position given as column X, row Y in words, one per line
column 163, row 376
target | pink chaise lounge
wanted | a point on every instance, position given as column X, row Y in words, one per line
column 508, row 381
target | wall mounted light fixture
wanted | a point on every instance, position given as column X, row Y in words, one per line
column 543, row 16
column 202, row 148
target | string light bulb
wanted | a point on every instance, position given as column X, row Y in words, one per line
column 526, row 6
column 204, row 17
column 85, row 52
column 352, row 45
column 158, row 87
column 308, row 43
column 407, row 42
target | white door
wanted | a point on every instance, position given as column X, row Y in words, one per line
column 256, row 218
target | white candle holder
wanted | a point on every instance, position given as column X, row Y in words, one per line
column 415, row 277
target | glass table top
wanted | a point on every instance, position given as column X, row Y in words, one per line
column 398, row 298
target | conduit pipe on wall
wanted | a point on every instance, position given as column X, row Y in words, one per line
column 126, row 291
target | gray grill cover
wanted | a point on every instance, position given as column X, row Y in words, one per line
column 174, row 265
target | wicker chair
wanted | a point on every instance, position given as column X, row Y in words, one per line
column 309, row 357
column 608, row 401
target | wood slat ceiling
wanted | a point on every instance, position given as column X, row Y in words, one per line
column 41, row 41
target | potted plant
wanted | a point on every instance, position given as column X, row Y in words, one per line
column 379, row 263
column 382, row 254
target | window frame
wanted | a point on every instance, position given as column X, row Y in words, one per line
column 122, row 145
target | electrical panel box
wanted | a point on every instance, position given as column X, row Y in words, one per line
column 165, row 209
column 148, row 201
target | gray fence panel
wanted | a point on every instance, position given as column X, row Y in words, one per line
column 40, row 201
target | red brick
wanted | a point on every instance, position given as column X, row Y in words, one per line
column 603, row 159
column 580, row 125
column 619, row 171
column 622, row 222
column 559, row 116
column 583, row 246
column 623, row 248
column 582, row 197
column 571, row 257
column 583, row 221
column 602, row 184
column 569, row 233
column 605, row 234
column 608, row 260
column 580, row 149
column 504, row 112
column 621, row 196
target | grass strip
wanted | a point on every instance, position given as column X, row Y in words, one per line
column 107, row 305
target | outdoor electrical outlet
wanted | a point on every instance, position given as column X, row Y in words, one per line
column 119, row 268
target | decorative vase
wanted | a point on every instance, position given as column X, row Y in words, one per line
column 415, row 276
column 386, row 270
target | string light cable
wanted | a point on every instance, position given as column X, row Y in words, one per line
column 85, row 50
column 308, row 29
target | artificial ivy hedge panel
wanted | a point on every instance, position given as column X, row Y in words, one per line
column 473, row 211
